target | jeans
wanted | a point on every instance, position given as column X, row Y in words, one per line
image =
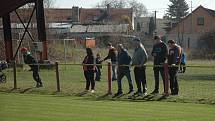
column 173, row 71
column 98, row 74
column 119, row 81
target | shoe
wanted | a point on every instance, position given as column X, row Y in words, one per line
column 174, row 93
column 86, row 90
column 92, row 91
column 155, row 92
column 118, row 94
column 114, row 79
column 145, row 93
column 38, row 85
column 130, row 91
column 138, row 93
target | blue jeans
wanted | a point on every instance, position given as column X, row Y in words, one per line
column 119, row 81
column 98, row 74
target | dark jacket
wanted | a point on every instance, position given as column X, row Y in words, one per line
column 88, row 60
column 31, row 61
column 161, row 52
column 112, row 55
column 98, row 61
column 124, row 59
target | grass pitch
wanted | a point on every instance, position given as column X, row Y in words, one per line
column 34, row 107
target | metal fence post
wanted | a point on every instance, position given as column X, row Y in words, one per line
column 109, row 78
column 57, row 76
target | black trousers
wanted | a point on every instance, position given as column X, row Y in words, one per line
column 173, row 71
column 140, row 77
column 36, row 75
column 183, row 67
column 158, row 70
column 89, row 76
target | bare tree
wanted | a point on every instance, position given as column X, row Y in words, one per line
column 113, row 3
column 138, row 7
column 49, row 3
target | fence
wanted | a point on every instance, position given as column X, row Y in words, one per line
column 195, row 85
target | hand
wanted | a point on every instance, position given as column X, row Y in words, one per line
column 154, row 54
column 173, row 65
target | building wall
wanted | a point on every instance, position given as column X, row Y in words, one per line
column 189, row 24
column 188, row 31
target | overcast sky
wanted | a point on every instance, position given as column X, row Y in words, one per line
column 151, row 5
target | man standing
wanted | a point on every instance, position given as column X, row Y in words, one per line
column 173, row 63
column 159, row 52
column 124, row 60
column 139, row 59
column 30, row 60
column 112, row 55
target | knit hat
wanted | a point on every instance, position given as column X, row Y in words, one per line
column 23, row 49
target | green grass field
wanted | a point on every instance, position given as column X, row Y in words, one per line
column 34, row 107
column 33, row 104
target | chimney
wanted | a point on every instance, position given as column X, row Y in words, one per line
column 75, row 14
column 108, row 9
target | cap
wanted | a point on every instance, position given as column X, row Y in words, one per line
column 136, row 39
column 23, row 49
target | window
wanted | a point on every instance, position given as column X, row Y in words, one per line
column 138, row 27
column 200, row 21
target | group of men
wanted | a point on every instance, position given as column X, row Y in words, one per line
column 161, row 55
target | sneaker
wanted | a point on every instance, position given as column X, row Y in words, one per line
column 118, row 94
column 145, row 93
column 114, row 79
column 138, row 93
column 86, row 90
column 130, row 91
column 92, row 91
column 38, row 85
column 155, row 92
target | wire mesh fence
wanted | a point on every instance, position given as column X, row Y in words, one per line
column 195, row 85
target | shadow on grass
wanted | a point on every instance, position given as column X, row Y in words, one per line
column 81, row 93
column 28, row 89
column 203, row 77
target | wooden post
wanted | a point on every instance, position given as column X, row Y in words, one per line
column 166, row 85
column 109, row 78
column 57, row 77
column 14, row 75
